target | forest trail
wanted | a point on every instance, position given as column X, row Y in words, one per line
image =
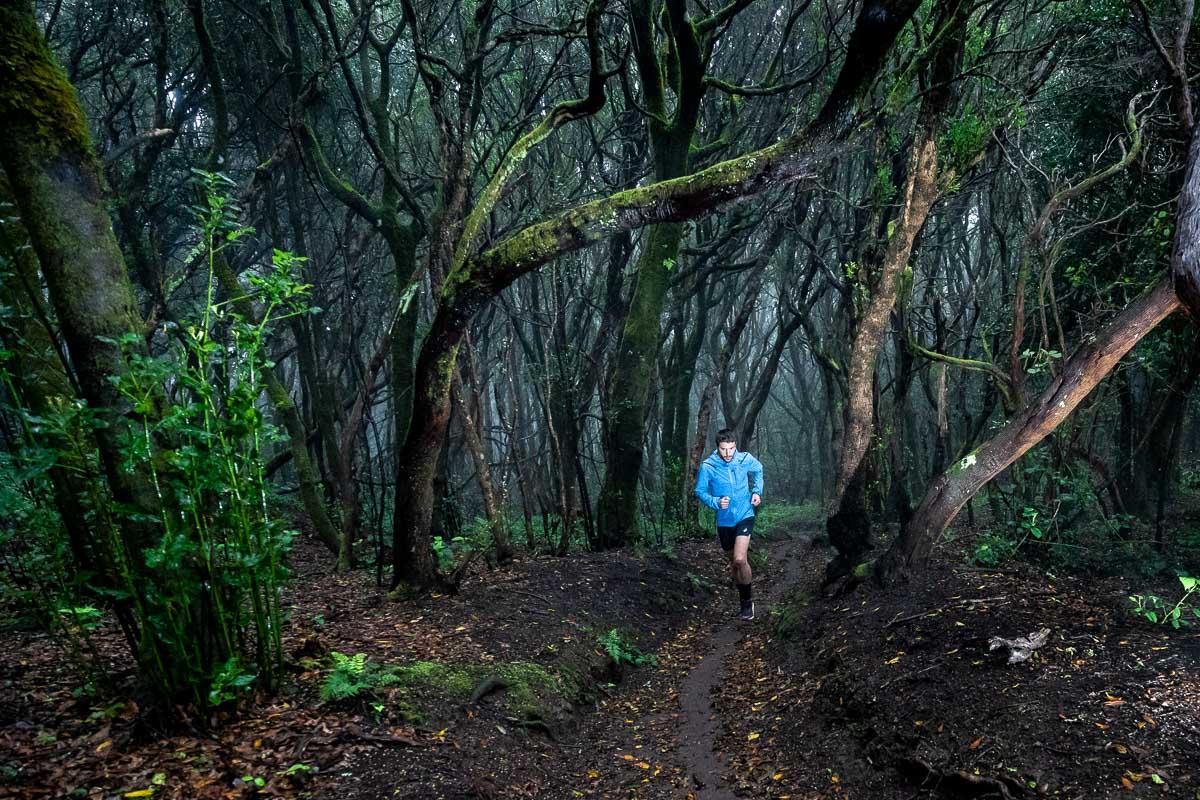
column 703, row 759
column 661, row 731
column 873, row 697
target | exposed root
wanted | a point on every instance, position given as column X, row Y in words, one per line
column 959, row 784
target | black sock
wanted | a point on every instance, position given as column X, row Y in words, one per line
column 744, row 592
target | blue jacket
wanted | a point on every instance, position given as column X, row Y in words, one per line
column 718, row 478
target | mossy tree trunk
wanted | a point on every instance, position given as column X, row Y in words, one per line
column 454, row 278
column 637, row 351
column 56, row 184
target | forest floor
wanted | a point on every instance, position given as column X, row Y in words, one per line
column 507, row 690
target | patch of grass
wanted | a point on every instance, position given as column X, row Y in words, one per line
column 451, row 680
column 699, row 583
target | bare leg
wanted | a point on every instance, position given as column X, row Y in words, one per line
column 739, row 562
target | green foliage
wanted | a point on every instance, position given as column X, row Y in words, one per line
column 992, row 549
column 1159, row 231
column 219, row 548
column 229, row 682
column 882, row 188
column 348, row 679
column 200, row 581
column 401, row 688
column 623, row 651
column 1037, row 363
column 964, row 138
column 788, row 614
column 450, row 552
column 1155, row 610
column 773, row 519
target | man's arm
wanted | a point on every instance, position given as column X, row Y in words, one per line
column 756, row 469
column 702, row 489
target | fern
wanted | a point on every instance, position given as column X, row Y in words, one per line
column 348, row 679
column 353, row 665
column 623, row 651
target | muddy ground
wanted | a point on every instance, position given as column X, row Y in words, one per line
column 880, row 695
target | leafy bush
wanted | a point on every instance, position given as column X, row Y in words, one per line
column 1154, row 609
column 193, row 569
column 992, row 549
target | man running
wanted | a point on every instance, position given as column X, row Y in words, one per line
column 724, row 486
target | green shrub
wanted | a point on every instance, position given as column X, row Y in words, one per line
column 623, row 651
column 1157, row 611
column 992, row 549
column 197, row 586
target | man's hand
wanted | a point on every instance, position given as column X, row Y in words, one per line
column 724, row 502
column 755, row 499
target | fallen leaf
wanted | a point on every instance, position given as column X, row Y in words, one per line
column 975, row 744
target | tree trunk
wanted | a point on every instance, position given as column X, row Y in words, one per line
column 57, row 187
column 1080, row 374
column 633, row 368
column 40, row 375
column 848, row 525
column 492, row 509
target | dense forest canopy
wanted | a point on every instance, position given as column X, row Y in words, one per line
column 433, row 284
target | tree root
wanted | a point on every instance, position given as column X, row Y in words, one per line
column 959, row 784
column 488, row 685
column 535, row 725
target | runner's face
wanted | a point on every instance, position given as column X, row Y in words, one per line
column 726, row 450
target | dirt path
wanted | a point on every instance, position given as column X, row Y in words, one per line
column 700, row 727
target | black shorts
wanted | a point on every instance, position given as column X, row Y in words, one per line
column 743, row 528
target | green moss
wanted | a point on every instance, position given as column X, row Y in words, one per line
column 530, row 689
column 788, row 615
column 455, row 681
column 34, row 91
column 446, row 362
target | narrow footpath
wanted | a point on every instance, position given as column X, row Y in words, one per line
column 703, row 759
